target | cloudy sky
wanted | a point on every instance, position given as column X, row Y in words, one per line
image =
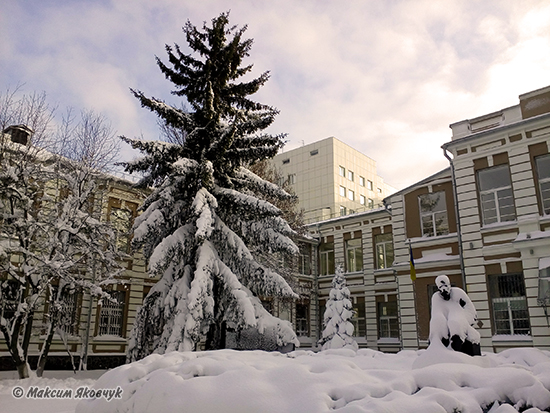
column 385, row 76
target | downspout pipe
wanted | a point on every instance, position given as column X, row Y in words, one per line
column 457, row 213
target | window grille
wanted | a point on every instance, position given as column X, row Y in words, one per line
column 509, row 304
column 111, row 315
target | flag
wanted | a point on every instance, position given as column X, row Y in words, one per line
column 411, row 262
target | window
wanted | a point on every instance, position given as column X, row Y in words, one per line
column 342, row 171
column 302, row 317
column 9, row 297
column 369, row 185
column 361, row 181
column 495, row 193
column 362, row 199
column 286, row 161
column 544, row 282
column 351, row 195
column 68, row 311
column 379, row 190
column 543, row 174
column 354, row 255
column 314, row 152
column 121, row 219
column 358, row 319
column 370, row 204
column 111, row 314
column 304, row 261
column 509, row 304
column 433, row 214
column 350, row 175
column 292, row 179
column 383, row 244
column 388, row 324
column 342, row 191
column 343, row 211
column 326, row 253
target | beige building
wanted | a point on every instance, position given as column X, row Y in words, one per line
column 332, row 179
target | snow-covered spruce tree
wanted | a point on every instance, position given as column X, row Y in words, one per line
column 338, row 331
column 204, row 216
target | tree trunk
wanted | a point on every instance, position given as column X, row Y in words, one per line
column 215, row 338
column 23, row 370
column 45, row 350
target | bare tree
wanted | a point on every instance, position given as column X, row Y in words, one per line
column 50, row 210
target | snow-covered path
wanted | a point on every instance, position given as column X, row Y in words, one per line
column 303, row 381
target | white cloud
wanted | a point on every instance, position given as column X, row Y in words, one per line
column 385, row 77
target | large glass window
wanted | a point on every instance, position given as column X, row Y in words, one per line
column 111, row 315
column 388, row 324
column 326, row 253
column 304, row 260
column 495, row 193
column 358, row 320
column 433, row 214
column 383, row 243
column 543, row 174
column 509, row 304
column 302, row 317
column 354, row 255
column 121, row 219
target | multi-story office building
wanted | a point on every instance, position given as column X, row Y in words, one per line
column 332, row 179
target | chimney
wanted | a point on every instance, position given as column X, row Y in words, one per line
column 20, row 134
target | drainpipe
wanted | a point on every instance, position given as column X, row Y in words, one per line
column 457, row 213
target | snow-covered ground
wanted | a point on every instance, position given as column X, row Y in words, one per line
column 254, row 381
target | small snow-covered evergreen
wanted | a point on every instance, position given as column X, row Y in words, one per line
column 338, row 331
column 208, row 213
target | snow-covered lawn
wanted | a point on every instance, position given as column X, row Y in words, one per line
column 303, row 381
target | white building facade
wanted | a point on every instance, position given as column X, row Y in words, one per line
column 332, row 179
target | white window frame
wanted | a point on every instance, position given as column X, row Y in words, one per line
column 342, row 171
column 370, row 185
column 544, row 183
column 493, row 198
column 385, row 321
column 292, row 179
column 342, row 191
column 361, row 180
column 362, row 199
column 434, row 216
column 354, row 255
column 326, row 256
column 351, row 175
column 503, row 307
column 382, row 247
column 351, row 195
column 370, row 203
